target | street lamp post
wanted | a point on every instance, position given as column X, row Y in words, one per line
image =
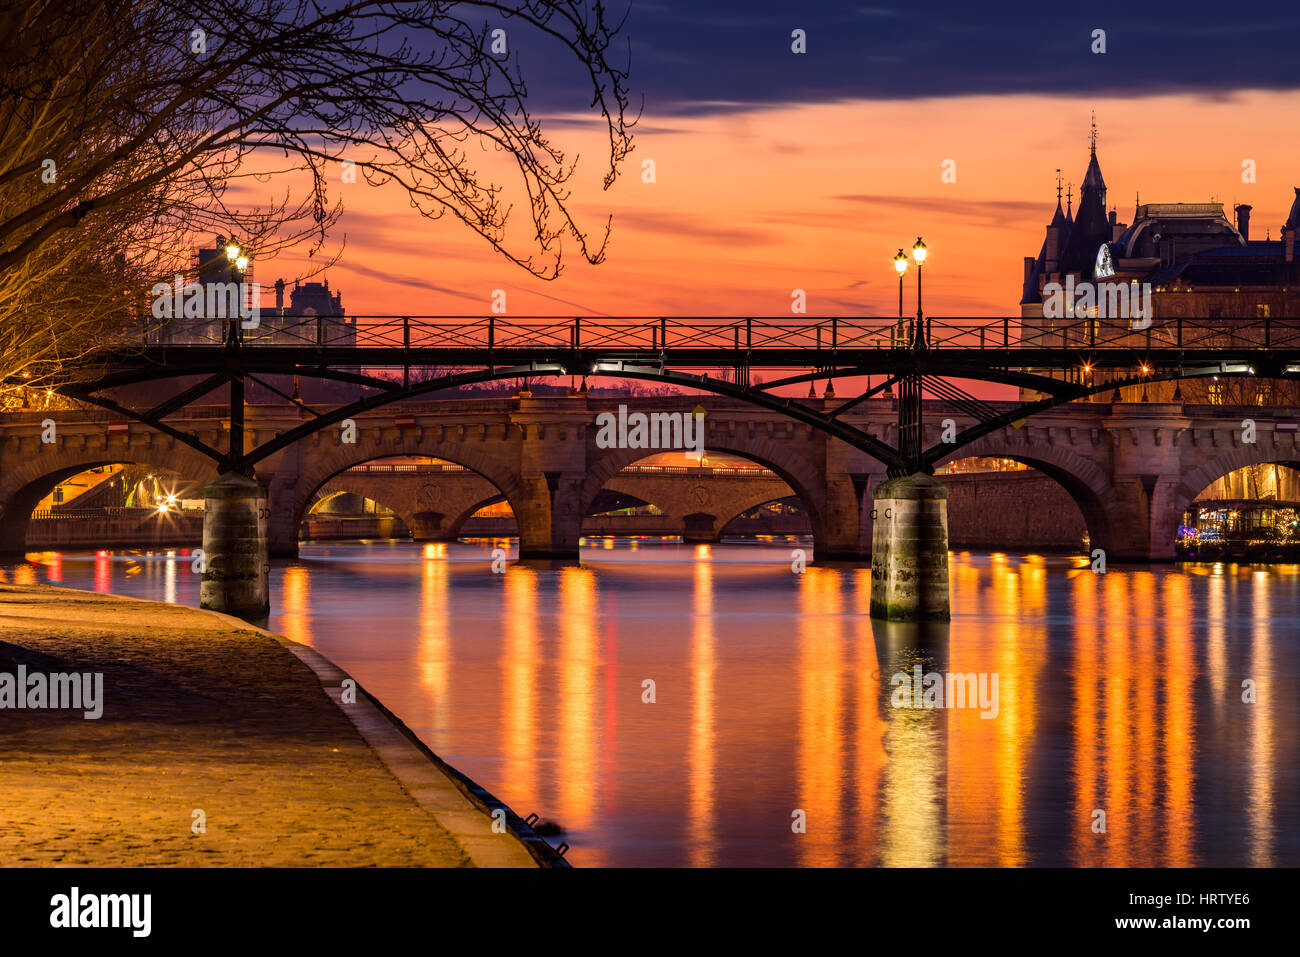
column 237, row 263
column 918, row 253
column 237, row 260
column 900, row 263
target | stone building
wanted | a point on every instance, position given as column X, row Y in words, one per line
column 307, row 302
column 280, row 324
column 1175, row 261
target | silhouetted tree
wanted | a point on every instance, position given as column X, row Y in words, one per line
column 128, row 128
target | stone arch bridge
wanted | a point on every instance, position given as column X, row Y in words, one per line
column 1132, row 468
column 435, row 501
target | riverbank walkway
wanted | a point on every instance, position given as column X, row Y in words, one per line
column 218, row 745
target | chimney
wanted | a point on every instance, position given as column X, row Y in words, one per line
column 1243, row 221
column 279, row 295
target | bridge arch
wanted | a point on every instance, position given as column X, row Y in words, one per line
column 725, row 522
column 427, row 520
column 22, row 488
column 1084, row 480
column 331, row 491
column 1179, row 498
column 455, row 522
column 798, row 474
column 700, row 510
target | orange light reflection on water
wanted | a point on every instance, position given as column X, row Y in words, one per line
column 295, row 594
column 821, row 717
column 519, row 667
column 703, row 742
column 579, row 737
column 434, row 653
column 771, row 698
column 1260, row 795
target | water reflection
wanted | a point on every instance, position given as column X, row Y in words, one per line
column 579, row 731
column 295, row 612
column 914, row 825
column 519, row 683
column 700, row 813
column 1260, row 797
column 433, row 657
column 1118, row 693
column 872, row 723
column 820, row 751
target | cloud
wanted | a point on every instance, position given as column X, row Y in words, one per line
column 729, row 55
column 686, row 227
column 413, row 282
column 1008, row 213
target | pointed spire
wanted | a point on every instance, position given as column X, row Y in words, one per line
column 1092, row 179
column 1069, row 203
column 1058, row 218
column 1091, row 227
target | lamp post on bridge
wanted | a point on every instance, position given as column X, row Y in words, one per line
column 909, row 537
column 900, row 263
column 237, row 262
column 918, row 331
column 235, row 561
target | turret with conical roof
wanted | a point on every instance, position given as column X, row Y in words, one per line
column 1091, row 228
column 1289, row 229
column 1058, row 234
column 1093, row 179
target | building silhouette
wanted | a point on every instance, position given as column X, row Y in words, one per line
column 314, row 314
column 1188, row 258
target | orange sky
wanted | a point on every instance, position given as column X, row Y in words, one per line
column 748, row 206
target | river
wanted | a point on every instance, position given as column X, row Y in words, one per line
column 1118, row 735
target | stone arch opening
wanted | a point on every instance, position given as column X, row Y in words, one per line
column 431, row 496
column 25, row 488
column 1085, row 484
column 776, row 517
column 696, row 500
column 339, row 514
column 492, row 517
column 1008, row 504
column 1250, row 510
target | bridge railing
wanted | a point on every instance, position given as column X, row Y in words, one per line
column 109, row 512
column 694, row 470
column 479, row 333
column 407, row 468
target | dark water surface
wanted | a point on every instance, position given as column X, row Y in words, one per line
column 1119, row 693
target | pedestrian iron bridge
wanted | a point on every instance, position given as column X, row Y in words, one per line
column 1131, row 469
column 1060, row 360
